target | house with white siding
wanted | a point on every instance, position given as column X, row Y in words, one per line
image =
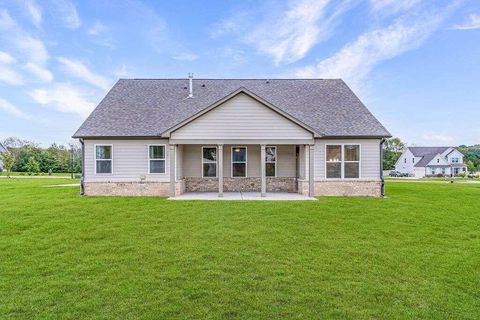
column 2, row 150
column 165, row 137
column 423, row 162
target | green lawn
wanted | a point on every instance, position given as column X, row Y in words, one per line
column 413, row 255
column 55, row 174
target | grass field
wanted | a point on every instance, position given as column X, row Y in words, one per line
column 55, row 174
column 413, row 255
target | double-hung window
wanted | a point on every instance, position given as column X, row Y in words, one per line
column 343, row 161
column 103, row 158
column 209, row 161
column 156, row 159
column 239, row 161
column 351, row 155
column 271, row 161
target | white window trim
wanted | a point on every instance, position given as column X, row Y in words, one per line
column 165, row 158
column 246, row 161
column 95, row 156
column 342, row 162
column 216, row 161
column 275, row 162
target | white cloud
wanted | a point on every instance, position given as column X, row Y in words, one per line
column 68, row 13
column 35, row 12
column 41, row 73
column 10, row 108
column 7, row 74
column 186, row 56
column 30, row 47
column 286, row 34
column 78, row 69
column 438, row 137
column 97, row 29
column 473, row 22
column 122, row 72
column 357, row 59
column 392, row 6
column 5, row 57
column 64, row 97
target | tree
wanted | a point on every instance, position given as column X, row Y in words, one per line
column 471, row 167
column 8, row 160
column 32, row 166
column 392, row 150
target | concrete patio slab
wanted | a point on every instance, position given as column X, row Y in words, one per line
column 271, row 196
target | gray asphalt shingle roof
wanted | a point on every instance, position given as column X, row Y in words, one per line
column 428, row 153
column 143, row 107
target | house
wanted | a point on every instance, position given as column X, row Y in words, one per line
column 422, row 162
column 164, row 137
column 2, row 150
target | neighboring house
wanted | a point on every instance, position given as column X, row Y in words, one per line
column 2, row 150
column 168, row 136
column 431, row 161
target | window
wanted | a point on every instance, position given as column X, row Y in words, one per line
column 239, row 161
column 334, row 161
column 271, row 161
column 443, row 170
column 433, row 170
column 413, row 160
column 156, row 159
column 455, row 160
column 103, row 158
column 342, row 161
column 209, row 161
column 351, row 161
column 405, row 160
column 438, row 160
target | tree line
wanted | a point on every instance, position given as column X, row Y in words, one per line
column 393, row 148
column 28, row 157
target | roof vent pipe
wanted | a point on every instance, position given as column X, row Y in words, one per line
column 190, row 85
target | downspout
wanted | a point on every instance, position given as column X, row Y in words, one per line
column 82, row 186
column 382, row 189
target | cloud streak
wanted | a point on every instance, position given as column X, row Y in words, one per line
column 7, row 74
column 473, row 22
column 13, row 110
column 35, row 12
column 357, row 59
column 286, row 34
column 68, row 13
column 64, row 97
column 78, row 69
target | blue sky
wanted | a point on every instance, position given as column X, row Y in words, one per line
column 415, row 64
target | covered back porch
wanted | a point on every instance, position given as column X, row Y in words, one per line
column 242, row 168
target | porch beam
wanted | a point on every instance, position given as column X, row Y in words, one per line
column 220, row 170
column 263, row 171
column 173, row 178
column 311, row 182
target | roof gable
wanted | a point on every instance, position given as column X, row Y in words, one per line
column 141, row 108
column 231, row 96
column 241, row 117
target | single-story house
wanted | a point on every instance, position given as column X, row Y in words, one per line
column 163, row 137
column 422, row 162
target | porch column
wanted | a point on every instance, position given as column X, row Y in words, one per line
column 311, row 183
column 173, row 178
column 263, row 173
column 220, row 170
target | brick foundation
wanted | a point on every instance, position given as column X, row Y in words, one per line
column 239, row 184
column 159, row 189
column 348, row 188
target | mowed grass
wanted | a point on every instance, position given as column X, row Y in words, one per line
column 413, row 255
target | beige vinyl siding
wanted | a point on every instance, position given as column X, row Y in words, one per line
column 179, row 162
column 241, row 118
column 192, row 160
column 130, row 161
column 369, row 157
